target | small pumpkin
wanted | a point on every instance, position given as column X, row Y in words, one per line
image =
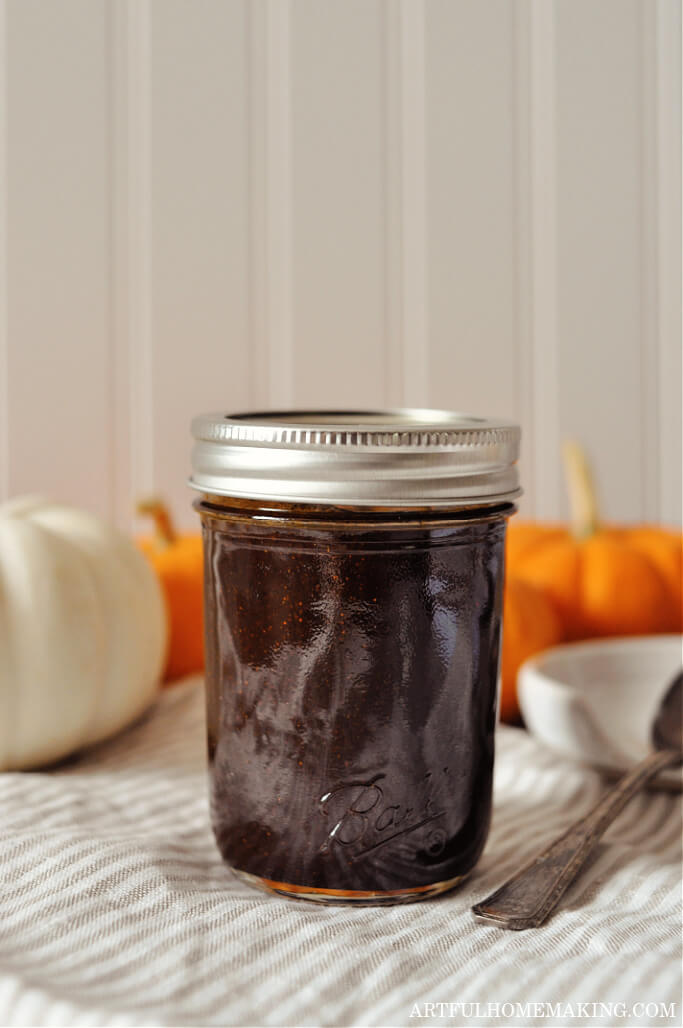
column 603, row 579
column 179, row 563
column 82, row 632
column 531, row 624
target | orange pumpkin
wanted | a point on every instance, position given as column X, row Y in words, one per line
column 178, row 561
column 603, row 579
column 531, row 624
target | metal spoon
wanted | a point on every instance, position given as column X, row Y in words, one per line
column 530, row 896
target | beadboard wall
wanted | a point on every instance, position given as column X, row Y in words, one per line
column 209, row 204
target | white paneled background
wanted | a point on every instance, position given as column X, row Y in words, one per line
column 256, row 203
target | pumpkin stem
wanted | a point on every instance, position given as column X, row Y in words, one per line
column 581, row 490
column 164, row 530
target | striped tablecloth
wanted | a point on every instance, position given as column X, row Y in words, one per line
column 115, row 908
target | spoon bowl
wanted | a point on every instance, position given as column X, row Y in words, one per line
column 667, row 730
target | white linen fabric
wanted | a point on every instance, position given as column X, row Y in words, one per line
column 115, row 907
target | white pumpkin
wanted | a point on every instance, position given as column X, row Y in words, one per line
column 82, row 632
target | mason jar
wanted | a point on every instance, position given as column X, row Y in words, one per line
column 353, row 595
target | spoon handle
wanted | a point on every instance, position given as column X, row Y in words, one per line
column 526, row 899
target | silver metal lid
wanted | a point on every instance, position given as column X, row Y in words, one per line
column 388, row 458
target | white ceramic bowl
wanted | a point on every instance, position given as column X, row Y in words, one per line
column 595, row 701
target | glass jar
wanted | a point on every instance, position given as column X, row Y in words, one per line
column 353, row 596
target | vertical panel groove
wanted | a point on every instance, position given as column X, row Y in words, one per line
column 111, row 79
column 4, row 186
column 415, row 329
column 545, row 417
column 138, row 13
column 4, row 298
column 279, row 202
column 270, row 202
column 256, row 157
column 394, row 384
column 650, row 356
column 668, row 216
column 120, row 504
column 523, row 205
column 130, row 395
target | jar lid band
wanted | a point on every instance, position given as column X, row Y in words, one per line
column 388, row 458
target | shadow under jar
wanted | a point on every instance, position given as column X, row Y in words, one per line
column 353, row 596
